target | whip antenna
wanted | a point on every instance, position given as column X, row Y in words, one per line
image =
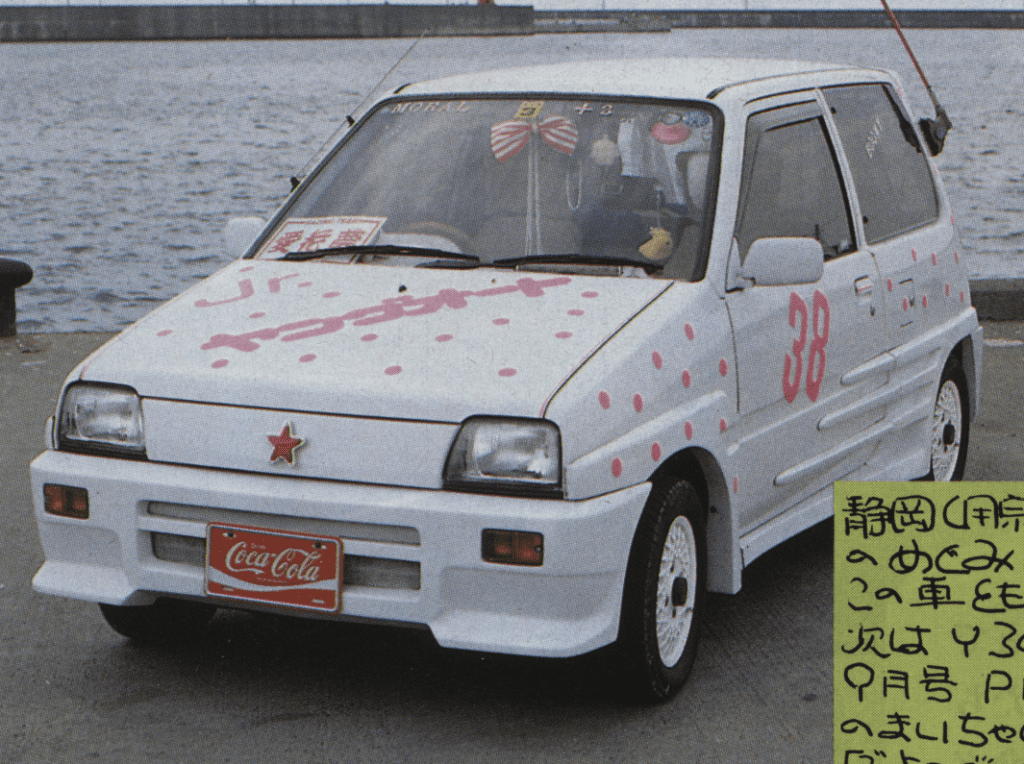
column 350, row 120
column 934, row 130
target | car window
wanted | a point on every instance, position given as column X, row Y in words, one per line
column 791, row 184
column 890, row 170
column 610, row 187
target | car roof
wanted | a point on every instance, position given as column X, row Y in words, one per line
column 692, row 78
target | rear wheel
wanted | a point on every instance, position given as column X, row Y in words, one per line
column 166, row 621
column 950, row 424
column 663, row 600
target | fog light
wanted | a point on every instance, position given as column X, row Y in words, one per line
column 66, row 501
column 513, row 547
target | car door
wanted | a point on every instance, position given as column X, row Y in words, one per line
column 899, row 206
column 800, row 427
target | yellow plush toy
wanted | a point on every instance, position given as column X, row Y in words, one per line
column 659, row 246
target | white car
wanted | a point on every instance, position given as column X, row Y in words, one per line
column 534, row 359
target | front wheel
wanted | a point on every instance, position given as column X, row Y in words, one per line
column 166, row 621
column 663, row 599
column 950, row 424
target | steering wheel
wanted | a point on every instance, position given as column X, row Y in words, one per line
column 434, row 228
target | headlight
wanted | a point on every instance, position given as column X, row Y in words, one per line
column 510, row 455
column 101, row 419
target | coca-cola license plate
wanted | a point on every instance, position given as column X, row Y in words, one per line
column 258, row 565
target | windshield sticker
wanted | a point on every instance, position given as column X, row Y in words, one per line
column 313, row 234
column 390, row 309
column 411, row 107
column 529, row 110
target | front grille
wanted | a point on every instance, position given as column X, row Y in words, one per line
column 385, row 534
column 375, row 572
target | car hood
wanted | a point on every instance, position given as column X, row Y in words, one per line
column 374, row 341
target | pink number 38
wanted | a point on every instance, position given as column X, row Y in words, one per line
column 819, row 320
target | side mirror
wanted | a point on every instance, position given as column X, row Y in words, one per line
column 240, row 233
column 784, row 261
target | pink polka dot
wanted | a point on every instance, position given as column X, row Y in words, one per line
column 563, row 335
column 307, row 358
column 688, row 428
column 220, row 363
column 257, row 314
column 638, row 402
column 329, row 295
column 961, row 295
column 947, row 290
column 686, row 378
column 656, row 359
column 889, row 284
column 913, row 254
column 589, row 295
column 393, row 370
column 924, row 301
column 690, row 334
column 604, row 399
column 575, row 312
column 952, row 222
column 735, row 485
column 935, row 259
column 507, row 372
column 616, row 466
column 444, row 338
column 164, row 332
column 500, row 321
column 368, row 337
column 246, row 269
column 305, row 284
column 906, row 304
column 656, row 452
column 722, row 425
column 723, row 367
column 956, row 256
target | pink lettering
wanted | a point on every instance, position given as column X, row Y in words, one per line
column 274, row 284
column 390, row 309
column 245, row 290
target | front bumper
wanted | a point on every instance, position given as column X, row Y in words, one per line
column 411, row 556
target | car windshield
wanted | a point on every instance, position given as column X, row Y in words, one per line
column 604, row 187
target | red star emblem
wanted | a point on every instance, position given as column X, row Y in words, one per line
column 284, row 444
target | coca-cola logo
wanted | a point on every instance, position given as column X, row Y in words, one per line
column 287, row 565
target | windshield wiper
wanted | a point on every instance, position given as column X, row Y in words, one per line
column 575, row 259
column 381, row 249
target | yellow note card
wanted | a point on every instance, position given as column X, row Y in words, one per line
column 928, row 636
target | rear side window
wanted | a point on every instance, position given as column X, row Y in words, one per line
column 889, row 165
column 791, row 183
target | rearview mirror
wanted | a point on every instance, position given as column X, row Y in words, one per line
column 784, row 260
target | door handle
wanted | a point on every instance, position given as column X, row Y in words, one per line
column 863, row 286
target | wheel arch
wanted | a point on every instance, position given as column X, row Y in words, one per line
column 701, row 469
column 965, row 353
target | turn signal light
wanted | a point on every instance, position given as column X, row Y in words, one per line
column 513, row 547
column 66, row 501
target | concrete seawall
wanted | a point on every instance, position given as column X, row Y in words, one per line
column 76, row 23
column 80, row 23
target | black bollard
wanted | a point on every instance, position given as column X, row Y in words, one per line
column 13, row 274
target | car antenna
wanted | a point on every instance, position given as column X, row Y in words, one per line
column 350, row 120
column 934, row 130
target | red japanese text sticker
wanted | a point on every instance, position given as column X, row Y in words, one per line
column 313, row 234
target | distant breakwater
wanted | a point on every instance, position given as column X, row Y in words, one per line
column 80, row 23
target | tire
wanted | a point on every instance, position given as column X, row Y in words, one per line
column 666, row 582
column 950, row 424
column 166, row 621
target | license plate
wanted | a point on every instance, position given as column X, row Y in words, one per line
column 295, row 570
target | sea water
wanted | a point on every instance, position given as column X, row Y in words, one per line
column 121, row 163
